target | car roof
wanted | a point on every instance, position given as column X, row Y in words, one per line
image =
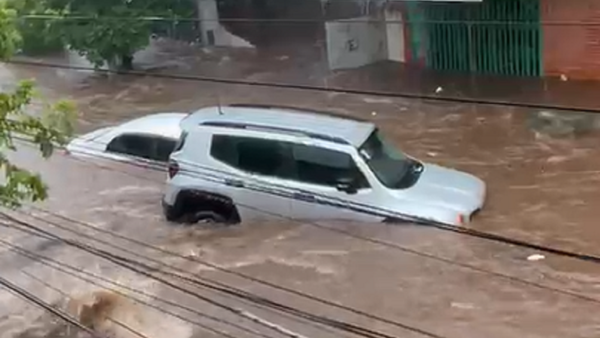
column 160, row 124
column 324, row 125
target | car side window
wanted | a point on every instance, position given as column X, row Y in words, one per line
column 287, row 160
column 254, row 155
column 164, row 148
column 326, row 167
column 135, row 145
column 143, row 146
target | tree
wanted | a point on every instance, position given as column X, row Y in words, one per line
column 52, row 127
column 37, row 33
column 109, row 32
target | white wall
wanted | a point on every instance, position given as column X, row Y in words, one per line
column 395, row 36
column 355, row 42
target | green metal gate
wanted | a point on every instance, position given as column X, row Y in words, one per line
column 500, row 37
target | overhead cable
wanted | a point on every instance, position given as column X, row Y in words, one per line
column 327, row 89
column 134, row 266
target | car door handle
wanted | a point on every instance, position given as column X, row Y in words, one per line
column 304, row 197
column 234, row 183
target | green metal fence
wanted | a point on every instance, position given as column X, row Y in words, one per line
column 500, row 37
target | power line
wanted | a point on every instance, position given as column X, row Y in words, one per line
column 13, row 288
column 314, row 224
column 223, row 289
column 65, row 295
column 328, row 89
column 42, row 259
column 132, row 265
column 248, row 296
column 205, row 263
column 34, row 231
column 342, row 232
column 159, row 18
column 63, row 268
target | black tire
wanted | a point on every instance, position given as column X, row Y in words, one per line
column 171, row 213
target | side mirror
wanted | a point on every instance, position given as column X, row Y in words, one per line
column 347, row 185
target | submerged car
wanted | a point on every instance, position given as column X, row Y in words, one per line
column 235, row 161
column 151, row 138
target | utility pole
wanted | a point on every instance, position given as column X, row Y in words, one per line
column 208, row 14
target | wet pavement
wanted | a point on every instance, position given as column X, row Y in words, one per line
column 540, row 190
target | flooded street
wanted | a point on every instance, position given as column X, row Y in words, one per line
column 541, row 190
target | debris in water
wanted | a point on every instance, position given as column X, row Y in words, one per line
column 117, row 316
column 439, row 90
column 462, row 306
column 536, row 257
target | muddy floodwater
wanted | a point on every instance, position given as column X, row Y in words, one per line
column 541, row 189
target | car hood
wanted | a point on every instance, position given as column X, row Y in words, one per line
column 447, row 188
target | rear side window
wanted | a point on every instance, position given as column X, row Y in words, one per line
column 134, row 145
column 143, row 146
column 258, row 156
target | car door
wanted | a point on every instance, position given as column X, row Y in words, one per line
column 254, row 168
column 318, row 196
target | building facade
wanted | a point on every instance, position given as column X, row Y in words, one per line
column 493, row 37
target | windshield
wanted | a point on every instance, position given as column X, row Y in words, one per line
column 390, row 166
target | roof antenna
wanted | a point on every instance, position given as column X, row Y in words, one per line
column 219, row 105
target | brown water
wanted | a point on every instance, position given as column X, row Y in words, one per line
column 540, row 190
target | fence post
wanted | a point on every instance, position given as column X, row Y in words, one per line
column 472, row 65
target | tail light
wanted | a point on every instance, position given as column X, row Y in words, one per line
column 173, row 168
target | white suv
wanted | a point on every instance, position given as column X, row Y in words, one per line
column 239, row 161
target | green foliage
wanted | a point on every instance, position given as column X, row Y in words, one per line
column 108, row 31
column 9, row 34
column 175, row 27
column 37, row 34
column 105, row 41
column 52, row 127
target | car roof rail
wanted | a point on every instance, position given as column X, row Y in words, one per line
column 298, row 109
column 238, row 125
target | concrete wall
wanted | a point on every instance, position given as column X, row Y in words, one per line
column 355, row 42
column 571, row 50
column 396, row 44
